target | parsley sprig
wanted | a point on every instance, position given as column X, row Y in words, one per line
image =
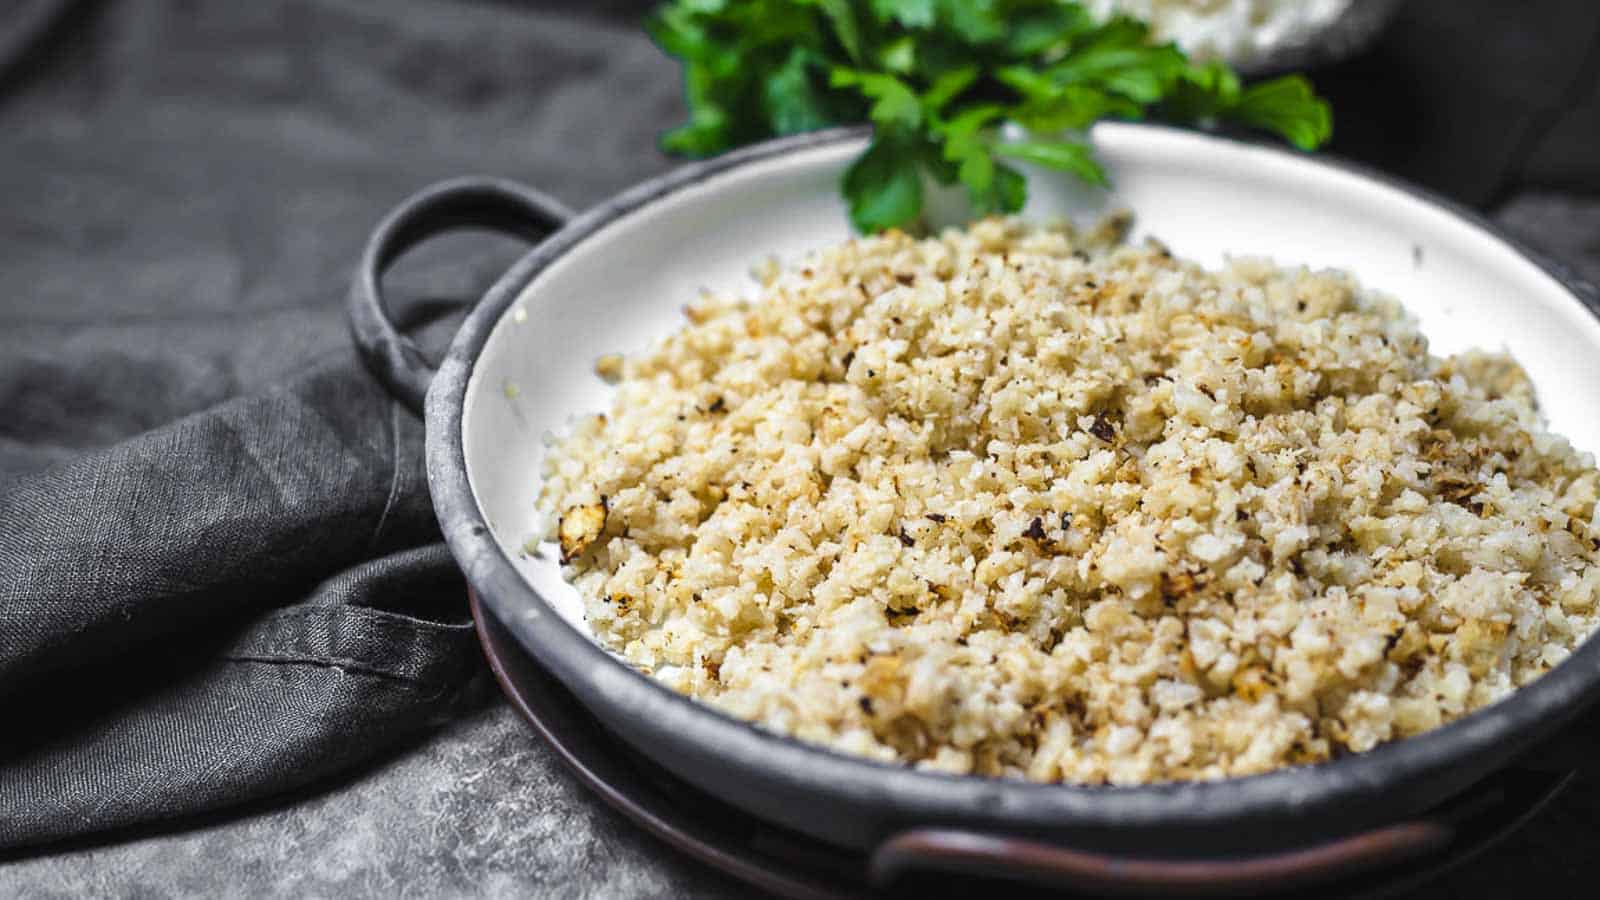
column 937, row 79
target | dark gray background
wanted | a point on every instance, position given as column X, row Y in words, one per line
column 186, row 185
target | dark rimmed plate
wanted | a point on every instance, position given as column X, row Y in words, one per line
column 522, row 366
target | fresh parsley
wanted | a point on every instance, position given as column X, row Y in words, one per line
column 937, row 79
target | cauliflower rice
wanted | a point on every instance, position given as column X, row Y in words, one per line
column 1031, row 502
column 1239, row 31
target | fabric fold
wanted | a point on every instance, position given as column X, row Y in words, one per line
column 222, row 609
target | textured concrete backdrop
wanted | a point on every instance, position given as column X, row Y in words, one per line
column 272, row 136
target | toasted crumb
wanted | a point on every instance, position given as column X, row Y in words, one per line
column 579, row 528
column 609, row 367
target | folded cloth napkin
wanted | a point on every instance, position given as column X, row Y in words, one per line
column 219, row 574
column 221, row 609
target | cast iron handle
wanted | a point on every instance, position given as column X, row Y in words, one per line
column 493, row 204
column 966, row 852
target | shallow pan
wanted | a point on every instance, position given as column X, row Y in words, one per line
column 614, row 278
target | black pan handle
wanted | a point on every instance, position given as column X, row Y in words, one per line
column 936, row 850
column 493, row 204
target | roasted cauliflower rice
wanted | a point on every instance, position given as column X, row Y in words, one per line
column 1034, row 502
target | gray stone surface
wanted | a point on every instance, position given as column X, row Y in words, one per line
column 479, row 809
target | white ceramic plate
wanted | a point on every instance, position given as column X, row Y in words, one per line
column 1205, row 197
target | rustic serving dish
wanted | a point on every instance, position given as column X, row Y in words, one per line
column 616, row 277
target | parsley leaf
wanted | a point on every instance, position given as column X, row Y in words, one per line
column 947, row 87
column 884, row 186
column 1068, row 156
column 894, row 104
column 1288, row 107
column 938, row 78
column 842, row 16
column 791, row 99
column 973, row 21
column 910, row 13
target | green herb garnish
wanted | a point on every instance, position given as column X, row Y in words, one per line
column 937, row 79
